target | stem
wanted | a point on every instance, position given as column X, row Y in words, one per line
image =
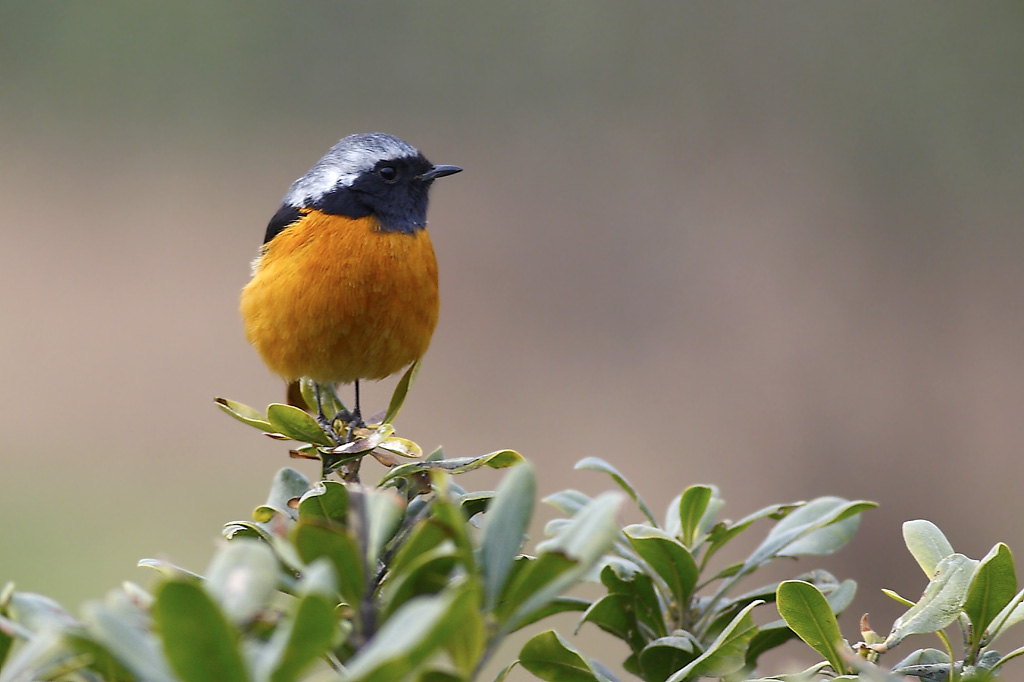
column 954, row 674
column 719, row 595
column 493, row 640
column 1009, row 612
column 367, row 613
column 1008, row 657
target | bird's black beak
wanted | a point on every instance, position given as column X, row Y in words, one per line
column 440, row 172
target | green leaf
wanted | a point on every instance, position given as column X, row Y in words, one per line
column 665, row 655
column 297, row 424
column 427, row 573
column 500, row 459
column 926, row 543
column 597, row 464
column 692, row 505
column 328, row 501
column 766, row 639
column 242, row 576
column 505, row 524
column 6, row 641
column 553, row 607
column 669, row 559
column 446, row 513
column 838, row 594
column 505, row 672
column 1010, row 615
column 403, row 447
column 941, row 602
column 992, row 588
column 622, row 577
column 529, row 576
column 466, row 635
column 475, row 503
column 810, row 616
column 244, row 414
column 438, row 675
column 6, row 638
column 615, row 614
column 401, row 390
column 549, row 657
column 336, row 544
column 297, row 643
column 101, row 662
column 233, row 531
column 424, row 536
column 726, row 654
column 200, row 644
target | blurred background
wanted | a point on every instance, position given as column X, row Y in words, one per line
column 774, row 247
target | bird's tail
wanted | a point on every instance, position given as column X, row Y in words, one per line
column 294, row 396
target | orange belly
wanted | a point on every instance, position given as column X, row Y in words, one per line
column 337, row 300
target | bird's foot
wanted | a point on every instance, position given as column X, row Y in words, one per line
column 344, row 421
column 328, row 426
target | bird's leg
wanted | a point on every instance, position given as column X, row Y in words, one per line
column 321, row 418
column 357, row 415
column 353, row 418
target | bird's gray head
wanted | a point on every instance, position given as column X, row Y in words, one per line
column 368, row 174
column 345, row 162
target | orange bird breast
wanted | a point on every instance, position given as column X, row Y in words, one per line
column 337, row 299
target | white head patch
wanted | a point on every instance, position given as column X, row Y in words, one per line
column 345, row 162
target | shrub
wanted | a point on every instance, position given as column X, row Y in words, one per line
column 416, row 578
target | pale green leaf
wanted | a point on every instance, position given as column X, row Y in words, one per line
column 244, row 414
column 576, row 550
column 926, row 543
column 941, row 603
column 287, row 487
column 410, row 636
column 241, row 577
column 505, row 524
column 597, row 464
column 133, row 646
column 495, row 460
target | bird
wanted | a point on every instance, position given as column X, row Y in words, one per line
column 345, row 286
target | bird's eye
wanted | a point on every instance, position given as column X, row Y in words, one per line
column 387, row 173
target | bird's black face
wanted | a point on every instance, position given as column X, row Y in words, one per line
column 394, row 191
